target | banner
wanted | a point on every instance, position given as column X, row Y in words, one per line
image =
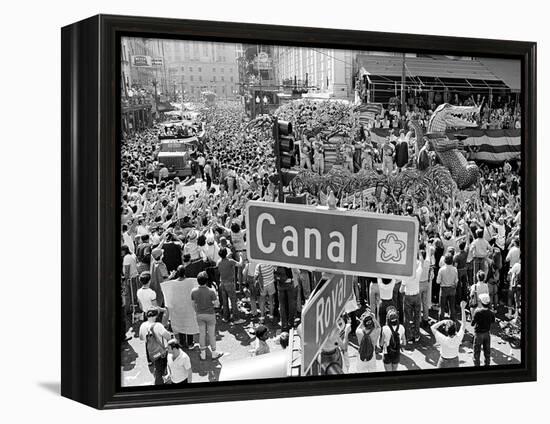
column 480, row 145
column 141, row 61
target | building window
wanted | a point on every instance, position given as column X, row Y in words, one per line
column 190, row 69
column 222, row 78
column 221, row 70
column 200, row 69
column 200, row 77
column 214, row 78
column 213, row 69
column 183, row 68
column 231, row 79
column 191, row 77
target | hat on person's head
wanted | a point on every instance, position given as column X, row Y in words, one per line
column 156, row 253
column 223, row 241
column 485, row 299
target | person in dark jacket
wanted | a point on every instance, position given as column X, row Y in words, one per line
column 172, row 253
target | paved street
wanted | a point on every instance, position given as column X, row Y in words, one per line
column 236, row 343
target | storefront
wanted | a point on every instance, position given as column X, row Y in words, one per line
column 429, row 81
column 136, row 115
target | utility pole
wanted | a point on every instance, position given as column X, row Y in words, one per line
column 259, row 77
column 155, row 82
column 403, row 79
column 277, row 146
column 182, row 96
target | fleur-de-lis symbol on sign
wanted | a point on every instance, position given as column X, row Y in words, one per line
column 391, row 247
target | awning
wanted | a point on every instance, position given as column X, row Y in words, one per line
column 431, row 71
column 507, row 70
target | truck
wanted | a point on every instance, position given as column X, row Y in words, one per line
column 179, row 143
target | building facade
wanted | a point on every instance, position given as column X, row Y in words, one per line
column 199, row 66
column 325, row 73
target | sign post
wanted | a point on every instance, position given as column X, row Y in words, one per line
column 332, row 240
column 320, row 314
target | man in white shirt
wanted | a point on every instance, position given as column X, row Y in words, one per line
column 179, row 364
column 147, row 297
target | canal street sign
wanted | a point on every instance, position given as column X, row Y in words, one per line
column 337, row 241
column 320, row 314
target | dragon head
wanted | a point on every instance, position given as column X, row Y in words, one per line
column 456, row 116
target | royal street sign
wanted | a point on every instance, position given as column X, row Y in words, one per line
column 338, row 241
column 320, row 314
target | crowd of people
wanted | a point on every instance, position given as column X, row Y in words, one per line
column 185, row 265
column 502, row 112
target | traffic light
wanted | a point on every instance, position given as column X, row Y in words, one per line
column 284, row 144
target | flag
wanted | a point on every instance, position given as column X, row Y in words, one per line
column 368, row 111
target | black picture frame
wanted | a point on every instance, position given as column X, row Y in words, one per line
column 90, row 213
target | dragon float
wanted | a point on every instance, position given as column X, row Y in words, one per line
column 422, row 181
column 446, row 116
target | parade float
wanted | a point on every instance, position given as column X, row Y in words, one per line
column 337, row 123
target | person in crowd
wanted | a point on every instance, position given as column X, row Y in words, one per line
column 480, row 250
column 319, row 157
column 226, row 267
column 179, row 364
column 143, row 254
column 460, row 261
column 178, row 302
column 479, row 288
column 386, row 288
column 286, row 289
column 449, row 341
column 425, row 286
column 171, row 252
column 146, row 297
column 155, row 336
column 368, row 336
column 392, row 340
column 205, row 302
column 129, row 279
column 262, row 334
column 374, row 296
column 482, row 319
column 388, row 150
column 264, row 276
column 447, row 279
column 514, row 295
column 159, row 273
column 412, row 304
